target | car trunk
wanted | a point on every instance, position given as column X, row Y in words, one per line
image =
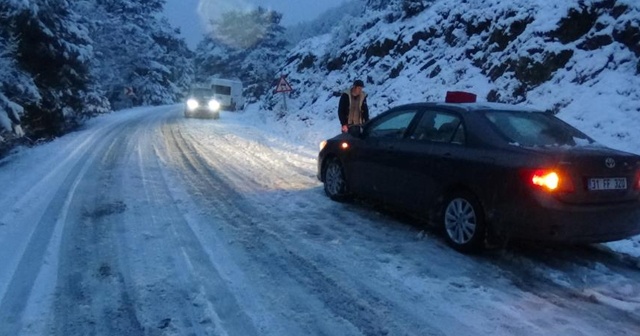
column 599, row 175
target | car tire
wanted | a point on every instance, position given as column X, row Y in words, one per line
column 463, row 222
column 186, row 114
column 216, row 115
column 335, row 182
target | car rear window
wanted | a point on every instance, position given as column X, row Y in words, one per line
column 536, row 129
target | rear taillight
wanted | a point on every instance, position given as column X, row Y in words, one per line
column 638, row 180
column 548, row 179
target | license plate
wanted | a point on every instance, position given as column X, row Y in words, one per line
column 613, row 183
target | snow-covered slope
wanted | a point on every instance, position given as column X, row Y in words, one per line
column 579, row 58
column 325, row 22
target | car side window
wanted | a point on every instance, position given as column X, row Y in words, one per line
column 393, row 126
column 437, row 126
column 459, row 137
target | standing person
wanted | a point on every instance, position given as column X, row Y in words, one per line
column 353, row 109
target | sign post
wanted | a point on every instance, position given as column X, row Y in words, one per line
column 283, row 87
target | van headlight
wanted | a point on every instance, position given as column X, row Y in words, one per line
column 214, row 105
column 192, row 104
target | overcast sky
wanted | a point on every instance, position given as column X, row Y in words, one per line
column 188, row 15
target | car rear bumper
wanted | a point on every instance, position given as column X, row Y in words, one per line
column 550, row 220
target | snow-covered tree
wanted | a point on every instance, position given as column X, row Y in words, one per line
column 176, row 56
column 245, row 45
column 260, row 65
column 59, row 59
column 53, row 47
column 16, row 86
column 136, row 49
column 214, row 59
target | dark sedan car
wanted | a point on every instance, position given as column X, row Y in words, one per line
column 482, row 171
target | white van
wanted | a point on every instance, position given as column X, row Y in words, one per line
column 228, row 92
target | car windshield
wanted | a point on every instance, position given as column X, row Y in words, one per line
column 201, row 93
column 536, row 129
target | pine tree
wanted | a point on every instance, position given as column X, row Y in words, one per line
column 54, row 47
column 245, row 45
column 16, row 86
column 53, row 51
column 137, row 50
column 215, row 59
column 270, row 50
column 177, row 57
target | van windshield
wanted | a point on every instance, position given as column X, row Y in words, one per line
column 202, row 93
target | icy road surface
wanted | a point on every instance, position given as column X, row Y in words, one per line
column 146, row 223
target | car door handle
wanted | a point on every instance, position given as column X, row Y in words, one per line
column 443, row 160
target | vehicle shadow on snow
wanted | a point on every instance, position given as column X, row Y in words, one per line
column 593, row 275
column 510, row 255
column 567, row 258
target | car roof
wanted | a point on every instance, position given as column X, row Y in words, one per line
column 481, row 106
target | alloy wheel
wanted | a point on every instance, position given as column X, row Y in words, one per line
column 460, row 221
column 335, row 182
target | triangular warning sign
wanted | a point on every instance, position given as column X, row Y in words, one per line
column 283, row 85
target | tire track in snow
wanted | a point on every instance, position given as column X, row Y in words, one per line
column 36, row 195
column 24, row 276
column 92, row 295
column 364, row 311
column 575, row 276
column 196, row 270
column 107, row 284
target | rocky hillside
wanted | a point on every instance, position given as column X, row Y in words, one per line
column 579, row 58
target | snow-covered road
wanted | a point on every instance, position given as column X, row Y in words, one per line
column 146, row 223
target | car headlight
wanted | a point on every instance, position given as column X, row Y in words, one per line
column 192, row 104
column 323, row 144
column 214, row 105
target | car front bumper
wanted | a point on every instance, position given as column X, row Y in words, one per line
column 202, row 111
